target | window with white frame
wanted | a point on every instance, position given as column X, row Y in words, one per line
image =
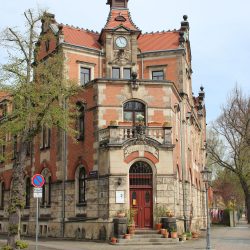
column 85, row 75
column 116, row 74
column 46, row 199
column 158, row 75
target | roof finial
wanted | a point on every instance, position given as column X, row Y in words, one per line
column 117, row 4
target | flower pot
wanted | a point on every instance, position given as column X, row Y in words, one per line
column 173, row 235
column 127, row 236
column 158, row 226
column 166, row 234
column 125, row 123
column 113, row 240
column 163, row 231
column 121, row 214
column 131, row 230
column 195, row 235
column 184, row 237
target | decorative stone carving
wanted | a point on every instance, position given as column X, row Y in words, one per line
column 121, row 57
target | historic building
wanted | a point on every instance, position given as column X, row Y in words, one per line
column 141, row 140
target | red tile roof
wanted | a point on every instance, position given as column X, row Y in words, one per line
column 158, row 41
column 146, row 42
column 81, row 37
column 115, row 15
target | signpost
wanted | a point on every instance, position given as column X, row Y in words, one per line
column 38, row 182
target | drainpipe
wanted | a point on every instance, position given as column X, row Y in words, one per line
column 183, row 161
column 64, row 153
column 142, row 66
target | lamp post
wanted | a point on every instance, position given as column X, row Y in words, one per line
column 207, row 176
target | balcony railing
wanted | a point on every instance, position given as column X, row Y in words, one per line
column 116, row 135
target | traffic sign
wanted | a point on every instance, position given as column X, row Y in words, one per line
column 38, row 193
column 38, row 180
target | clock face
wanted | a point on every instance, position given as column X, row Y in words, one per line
column 121, row 42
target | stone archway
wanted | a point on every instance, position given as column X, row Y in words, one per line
column 141, row 193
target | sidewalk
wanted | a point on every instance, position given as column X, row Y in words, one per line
column 222, row 238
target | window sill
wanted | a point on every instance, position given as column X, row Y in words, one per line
column 44, row 148
column 84, row 204
column 45, row 206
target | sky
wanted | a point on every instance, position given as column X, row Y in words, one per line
column 219, row 35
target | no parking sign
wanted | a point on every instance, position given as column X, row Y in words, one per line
column 38, row 181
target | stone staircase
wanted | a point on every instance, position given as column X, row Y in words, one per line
column 147, row 237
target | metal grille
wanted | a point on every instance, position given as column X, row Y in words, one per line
column 140, row 174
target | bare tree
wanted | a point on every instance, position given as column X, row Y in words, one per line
column 228, row 143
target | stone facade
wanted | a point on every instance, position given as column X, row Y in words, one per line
column 170, row 141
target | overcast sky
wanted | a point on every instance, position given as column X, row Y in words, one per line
column 219, row 34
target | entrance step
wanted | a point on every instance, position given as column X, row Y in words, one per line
column 147, row 237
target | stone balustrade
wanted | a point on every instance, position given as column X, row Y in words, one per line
column 116, row 135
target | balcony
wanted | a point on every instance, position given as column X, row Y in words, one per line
column 117, row 135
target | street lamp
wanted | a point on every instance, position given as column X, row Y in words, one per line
column 207, row 176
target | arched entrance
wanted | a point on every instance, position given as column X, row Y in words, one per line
column 141, row 193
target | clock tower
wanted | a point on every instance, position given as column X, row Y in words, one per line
column 119, row 40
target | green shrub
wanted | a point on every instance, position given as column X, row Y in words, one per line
column 21, row 244
column 6, row 247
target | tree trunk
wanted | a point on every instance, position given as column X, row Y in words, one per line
column 17, row 197
column 247, row 198
column 248, row 207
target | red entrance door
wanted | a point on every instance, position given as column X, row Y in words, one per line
column 141, row 200
column 141, row 197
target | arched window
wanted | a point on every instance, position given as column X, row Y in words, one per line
column 27, row 192
column 46, row 199
column 80, row 121
column 2, row 195
column 140, row 174
column 82, row 185
column 133, row 111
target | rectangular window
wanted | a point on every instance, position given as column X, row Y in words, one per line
column 84, row 75
column 80, row 123
column 116, row 73
column 2, row 153
column 3, row 110
column 45, row 138
column 126, row 73
column 158, row 75
column 15, row 147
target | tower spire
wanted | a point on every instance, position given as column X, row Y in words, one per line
column 117, row 3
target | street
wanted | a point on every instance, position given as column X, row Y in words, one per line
column 223, row 238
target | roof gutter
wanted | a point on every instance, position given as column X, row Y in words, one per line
column 157, row 51
column 82, row 47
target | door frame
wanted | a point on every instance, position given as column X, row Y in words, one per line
column 143, row 188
